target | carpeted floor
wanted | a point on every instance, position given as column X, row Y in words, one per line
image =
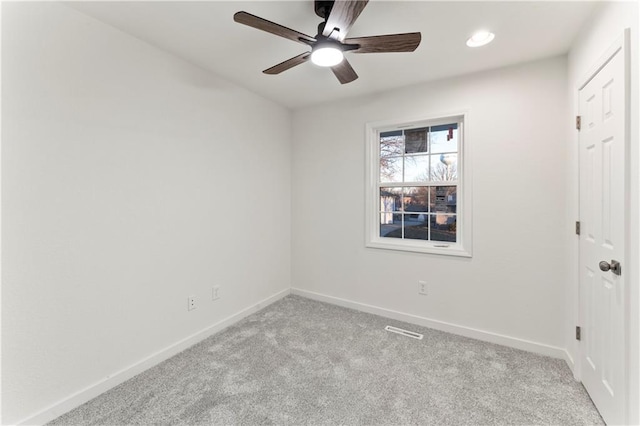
column 302, row 362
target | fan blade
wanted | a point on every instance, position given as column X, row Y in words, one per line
column 386, row 43
column 343, row 14
column 273, row 28
column 289, row 63
column 344, row 72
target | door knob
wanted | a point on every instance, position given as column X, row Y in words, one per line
column 614, row 266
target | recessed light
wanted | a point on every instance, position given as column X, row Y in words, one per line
column 480, row 39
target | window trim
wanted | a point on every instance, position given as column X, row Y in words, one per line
column 462, row 247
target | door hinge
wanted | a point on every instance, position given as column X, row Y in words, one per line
column 578, row 122
column 578, row 333
column 577, row 227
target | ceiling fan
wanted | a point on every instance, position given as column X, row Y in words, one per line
column 330, row 44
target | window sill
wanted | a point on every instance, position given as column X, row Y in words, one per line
column 402, row 245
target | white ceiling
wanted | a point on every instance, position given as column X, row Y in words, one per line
column 204, row 33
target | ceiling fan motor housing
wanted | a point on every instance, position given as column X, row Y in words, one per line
column 322, row 8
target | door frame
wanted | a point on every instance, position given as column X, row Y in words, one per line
column 621, row 46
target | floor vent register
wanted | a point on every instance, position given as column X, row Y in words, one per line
column 404, row 332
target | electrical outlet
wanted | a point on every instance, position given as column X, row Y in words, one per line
column 191, row 303
column 215, row 293
column 422, row 287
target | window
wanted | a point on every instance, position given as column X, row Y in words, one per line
column 417, row 196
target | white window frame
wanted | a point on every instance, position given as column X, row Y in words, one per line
column 462, row 246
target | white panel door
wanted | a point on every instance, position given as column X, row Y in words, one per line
column 602, row 238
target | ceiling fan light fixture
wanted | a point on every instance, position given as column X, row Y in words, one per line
column 326, row 55
column 480, row 39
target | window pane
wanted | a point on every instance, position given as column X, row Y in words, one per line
column 415, row 140
column 443, row 227
column 416, row 226
column 417, row 187
column 391, row 169
column 416, row 199
column 390, row 199
column 416, row 168
column 444, row 138
column 391, row 225
column 444, row 167
column 391, row 143
column 444, row 199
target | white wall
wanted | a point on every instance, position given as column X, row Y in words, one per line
column 606, row 25
column 130, row 180
column 516, row 130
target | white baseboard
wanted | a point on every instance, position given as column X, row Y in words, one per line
column 575, row 369
column 121, row 376
column 486, row 336
column 573, row 364
column 569, row 360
